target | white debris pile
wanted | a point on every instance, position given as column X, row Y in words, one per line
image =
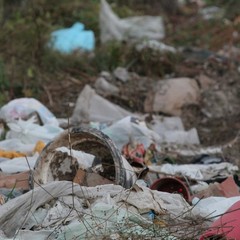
column 123, row 125
column 63, row 210
column 129, row 29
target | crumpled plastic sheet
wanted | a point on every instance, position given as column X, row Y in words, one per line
column 107, row 220
column 17, row 145
column 92, row 107
column 213, row 207
column 162, row 130
column 129, row 29
column 21, row 108
column 161, row 202
column 19, row 164
column 91, row 212
column 16, row 212
column 26, row 234
column 197, row 171
column 131, row 129
column 29, row 132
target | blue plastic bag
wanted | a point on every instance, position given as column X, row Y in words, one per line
column 69, row 39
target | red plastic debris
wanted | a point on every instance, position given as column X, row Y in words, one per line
column 134, row 153
column 225, row 227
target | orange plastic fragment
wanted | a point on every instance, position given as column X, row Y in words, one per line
column 39, row 146
column 11, row 154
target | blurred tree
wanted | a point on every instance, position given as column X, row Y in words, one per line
column 8, row 7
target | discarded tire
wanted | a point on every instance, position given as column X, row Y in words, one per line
column 171, row 185
column 53, row 165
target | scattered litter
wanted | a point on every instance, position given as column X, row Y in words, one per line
column 128, row 29
column 110, row 173
column 227, row 188
column 39, row 146
column 212, row 12
column 90, row 107
column 169, row 96
column 156, row 46
column 92, row 153
column 171, row 130
column 30, row 132
column 207, row 159
column 197, row 171
column 161, row 124
column 114, row 167
column 110, row 217
column 213, row 207
column 24, row 108
column 74, row 38
column 182, row 137
column 19, row 164
column 17, row 145
column 131, row 129
column 172, row 185
column 226, row 226
column 10, row 154
column 134, row 153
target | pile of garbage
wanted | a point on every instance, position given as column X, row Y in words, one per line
column 109, row 172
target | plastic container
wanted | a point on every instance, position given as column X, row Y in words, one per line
column 53, row 165
column 171, row 185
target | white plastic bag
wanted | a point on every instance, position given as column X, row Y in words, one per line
column 131, row 129
column 132, row 28
column 92, row 107
column 213, row 207
column 16, row 145
column 29, row 132
column 19, row 164
column 21, row 108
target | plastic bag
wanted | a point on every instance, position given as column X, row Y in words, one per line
column 29, row 132
column 21, row 108
column 131, row 28
column 69, row 39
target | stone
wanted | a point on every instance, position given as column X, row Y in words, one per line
column 106, row 75
column 103, row 87
column 121, row 74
